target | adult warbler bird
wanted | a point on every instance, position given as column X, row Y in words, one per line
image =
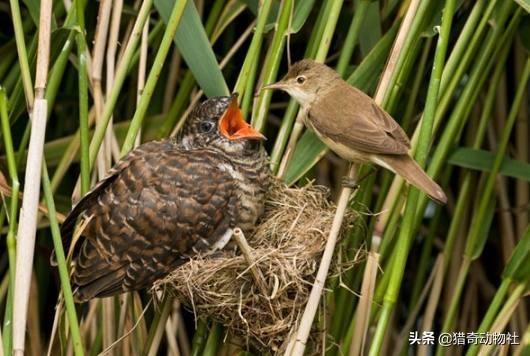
column 352, row 124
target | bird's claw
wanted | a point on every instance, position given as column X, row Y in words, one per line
column 348, row 182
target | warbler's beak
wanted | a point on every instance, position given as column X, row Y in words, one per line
column 233, row 126
column 278, row 85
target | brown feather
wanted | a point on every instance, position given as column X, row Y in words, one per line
column 165, row 202
column 352, row 124
column 353, row 119
column 160, row 207
column 406, row 167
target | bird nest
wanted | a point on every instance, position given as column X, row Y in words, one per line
column 259, row 296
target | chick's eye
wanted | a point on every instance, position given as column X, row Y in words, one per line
column 206, row 126
column 300, row 79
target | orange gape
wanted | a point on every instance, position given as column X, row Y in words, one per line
column 233, row 126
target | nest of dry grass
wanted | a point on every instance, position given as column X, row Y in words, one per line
column 285, row 253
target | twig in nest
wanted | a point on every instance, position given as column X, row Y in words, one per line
column 246, row 251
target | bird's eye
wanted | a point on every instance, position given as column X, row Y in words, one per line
column 206, row 126
column 300, row 79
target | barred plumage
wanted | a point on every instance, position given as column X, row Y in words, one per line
column 166, row 201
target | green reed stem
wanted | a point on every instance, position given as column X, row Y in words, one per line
column 13, row 210
column 254, row 48
column 199, row 338
column 22, row 53
column 154, row 75
column 407, row 228
column 214, row 340
column 352, row 37
column 317, row 48
column 62, row 266
column 271, row 65
column 83, row 96
column 495, row 305
column 473, row 242
column 119, row 79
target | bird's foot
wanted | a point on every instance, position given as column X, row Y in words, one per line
column 354, row 183
column 348, row 182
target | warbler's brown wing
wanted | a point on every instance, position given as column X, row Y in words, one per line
column 353, row 119
column 161, row 208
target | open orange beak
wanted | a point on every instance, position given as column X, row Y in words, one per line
column 233, row 127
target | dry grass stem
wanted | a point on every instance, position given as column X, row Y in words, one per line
column 29, row 210
column 114, row 32
column 100, row 42
column 364, row 307
column 142, row 69
column 437, row 279
column 298, row 128
column 311, row 308
column 379, row 96
column 172, row 80
column 309, row 313
column 246, row 250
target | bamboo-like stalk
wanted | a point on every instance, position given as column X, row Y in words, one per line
column 248, row 96
column 504, row 315
column 110, row 66
column 312, row 305
column 121, row 72
column 22, row 53
column 457, row 62
column 430, row 309
column 62, row 266
column 154, row 73
column 157, row 328
column 407, row 227
column 10, row 238
column 271, row 65
column 431, row 282
column 352, row 37
column 332, row 11
column 522, row 197
column 171, row 333
column 82, row 53
column 214, row 341
column 362, row 313
column 103, row 157
column 171, row 85
column 500, row 191
column 98, row 53
column 183, row 340
column 28, row 213
column 254, row 47
column 464, row 194
column 474, row 238
column 142, row 68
